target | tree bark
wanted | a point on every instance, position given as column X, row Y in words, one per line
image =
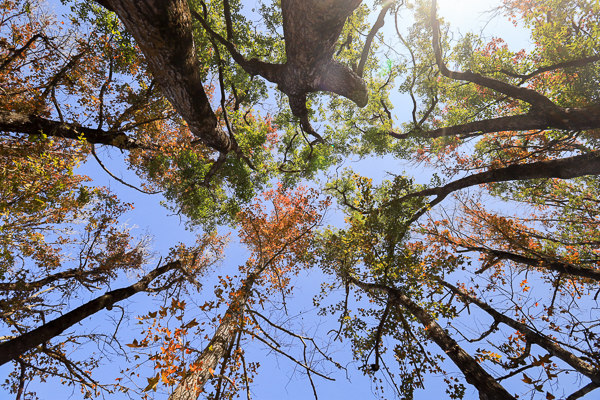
column 562, row 118
column 311, row 29
column 565, row 168
column 583, row 391
column 163, row 31
column 14, row 348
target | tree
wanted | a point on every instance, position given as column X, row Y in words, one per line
column 405, row 280
column 526, row 135
column 49, row 258
column 280, row 245
column 120, row 106
column 60, row 237
column 178, row 85
column 376, row 248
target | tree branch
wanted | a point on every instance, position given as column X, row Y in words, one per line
column 583, row 391
column 558, row 266
column 520, row 122
column 17, row 53
column 376, row 27
column 31, row 124
column 254, row 66
column 567, row 64
column 77, row 274
column 114, row 176
column 527, row 95
column 565, row 168
column 474, row 373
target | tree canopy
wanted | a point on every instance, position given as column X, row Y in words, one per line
column 241, row 118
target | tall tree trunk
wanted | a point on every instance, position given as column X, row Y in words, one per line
column 532, row 337
column 163, row 30
column 487, row 386
column 193, row 383
column 14, row 348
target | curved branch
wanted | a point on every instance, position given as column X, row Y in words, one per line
column 567, row 64
column 527, row 95
column 564, row 118
column 61, row 74
column 254, row 66
column 532, row 336
column 544, row 114
column 31, row 124
column 565, row 168
column 376, row 27
column 583, row 391
column 511, row 123
column 116, row 177
column 77, row 274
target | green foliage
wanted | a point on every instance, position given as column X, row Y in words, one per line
column 376, row 247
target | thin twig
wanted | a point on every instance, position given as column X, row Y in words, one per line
column 112, row 175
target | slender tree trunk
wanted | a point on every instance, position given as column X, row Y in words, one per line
column 14, row 348
column 193, row 383
column 533, row 337
column 474, row 373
